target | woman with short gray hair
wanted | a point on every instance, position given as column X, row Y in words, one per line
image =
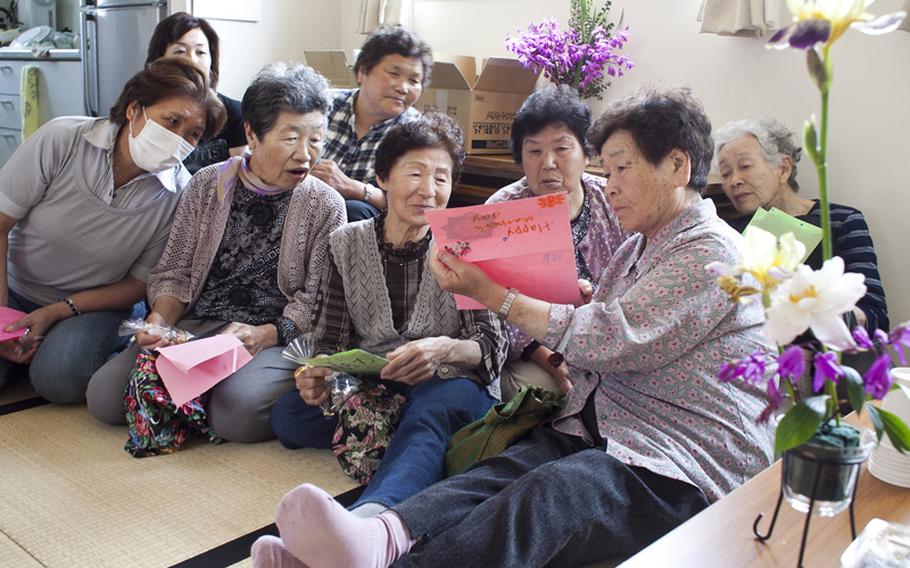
column 246, row 253
column 757, row 162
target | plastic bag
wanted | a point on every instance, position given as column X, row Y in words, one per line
column 166, row 332
column 342, row 385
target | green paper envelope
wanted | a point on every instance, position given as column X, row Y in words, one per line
column 353, row 361
column 779, row 224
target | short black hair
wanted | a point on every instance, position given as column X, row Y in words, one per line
column 430, row 130
column 659, row 120
column 168, row 77
column 388, row 40
column 290, row 87
column 550, row 106
column 175, row 27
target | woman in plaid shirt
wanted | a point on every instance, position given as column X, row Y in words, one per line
column 392, row 69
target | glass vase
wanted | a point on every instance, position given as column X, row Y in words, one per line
column 831, row 470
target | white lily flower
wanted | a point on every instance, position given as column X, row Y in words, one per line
column 815, row 300
column 768, row 258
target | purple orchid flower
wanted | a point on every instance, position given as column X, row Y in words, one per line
column 862, row 339
column 826, row 368
column 878, row 379
column 791, row 364
column 900, row 339
column 801, row 35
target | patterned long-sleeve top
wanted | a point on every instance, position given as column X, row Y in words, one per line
column 648, row 348
column 853, row 243
column 596, row 234
column 402, row 272
column 314, row 211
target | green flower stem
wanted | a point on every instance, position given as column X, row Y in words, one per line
column 822, row 163
column 831, row 390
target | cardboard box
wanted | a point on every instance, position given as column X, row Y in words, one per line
column 483, row 106
column 334, row 66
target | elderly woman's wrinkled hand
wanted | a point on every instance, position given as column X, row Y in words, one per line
column 329, row 172
column 311, row 384
column 149, row 341
column 456, row 276
column 416, row 361
column 254, row 337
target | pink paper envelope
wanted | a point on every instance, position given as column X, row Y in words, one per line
column 8, row 316
column 526, row 244
column 191, row 368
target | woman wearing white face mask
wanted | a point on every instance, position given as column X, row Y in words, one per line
column 245, row 254
column 85, row 208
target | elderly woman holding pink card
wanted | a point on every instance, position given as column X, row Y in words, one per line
column 245, row 254
column 378, row 295
column 548, row 141
column 647, row 437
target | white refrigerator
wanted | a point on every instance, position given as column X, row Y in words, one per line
column 115, row 36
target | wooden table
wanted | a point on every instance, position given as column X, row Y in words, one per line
column 721, row 535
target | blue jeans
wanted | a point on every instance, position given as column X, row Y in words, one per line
column 415, row 459
column 358, row 210
column 72, row 350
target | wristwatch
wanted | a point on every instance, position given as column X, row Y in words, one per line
column 506, row 305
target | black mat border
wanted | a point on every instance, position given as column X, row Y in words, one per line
column 238, row 549
column 24, row 404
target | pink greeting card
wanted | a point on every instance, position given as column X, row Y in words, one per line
column 8, row 316
column 525, row 244
column 191, row 368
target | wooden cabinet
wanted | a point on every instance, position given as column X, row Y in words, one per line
column 60, row 93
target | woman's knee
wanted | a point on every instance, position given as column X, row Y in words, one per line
column 107, row 388
column 459, row 398
column 299, row 425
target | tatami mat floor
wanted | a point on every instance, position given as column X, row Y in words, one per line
column 71, row 496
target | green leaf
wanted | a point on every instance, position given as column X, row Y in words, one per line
column 898, row 432
column 856, row 390
column 810, row 140
column 816, row 68
column 800, row 423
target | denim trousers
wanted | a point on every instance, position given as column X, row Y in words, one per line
column 415, row 459
column 72, row 350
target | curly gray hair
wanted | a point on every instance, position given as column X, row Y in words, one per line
column 289, row 87
column 774, row 139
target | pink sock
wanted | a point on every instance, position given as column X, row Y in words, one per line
column 322, row 534
column 269, row 552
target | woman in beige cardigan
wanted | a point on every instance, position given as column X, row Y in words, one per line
column 245, row 254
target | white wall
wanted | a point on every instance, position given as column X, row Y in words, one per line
column 736, row 78
column 287, row 28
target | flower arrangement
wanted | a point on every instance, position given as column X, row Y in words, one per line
column 797, row 298
column 582, row 56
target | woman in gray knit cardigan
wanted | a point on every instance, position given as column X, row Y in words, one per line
column 378, row 294
column 245, row 254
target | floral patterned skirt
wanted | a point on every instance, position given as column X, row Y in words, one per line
column 155, row 425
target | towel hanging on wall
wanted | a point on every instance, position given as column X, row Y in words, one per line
column 374, row 13
column 28, row 93
column 743, row 18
